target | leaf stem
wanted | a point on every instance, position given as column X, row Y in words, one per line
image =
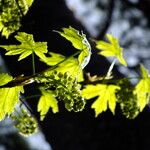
column 26, row 105
column 112, row 80
column 32, row 96
column 33, row 64
column 110, row 69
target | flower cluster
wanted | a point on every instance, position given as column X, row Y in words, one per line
column 66, row 89
column 11, row 12
column 25, row 123
column 127, row 99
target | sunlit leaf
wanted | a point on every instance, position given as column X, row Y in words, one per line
column 9, row 97
column 70, row 65
column 29, row 2
column 54, row 59
column 27, row 47
column 91, row 91
column 106, row 97
column 142, row 89
column 111, row 48
column 47, row 101
column 80, row 42
column 144, row 72
column 5, row 78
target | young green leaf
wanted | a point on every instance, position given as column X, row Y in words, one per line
column 47, row 100
column 54, row 59
column 91, row 91
column 80, row 42
column 8, row 96
column 29, row 2
column 106, row 97
column 27, row 47
column 70, row 65
column 5, row 78
column 144, row 72
column 142, row 89
column 111, row 48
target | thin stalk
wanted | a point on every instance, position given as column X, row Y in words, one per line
column 26, row 105
column 33, row 64
column 108, row 75
column 32, row 96
column 112, row 81
column 16, row 111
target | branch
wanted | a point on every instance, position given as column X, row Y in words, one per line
column 21, row 80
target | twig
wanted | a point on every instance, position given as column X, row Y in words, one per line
column 19, row 81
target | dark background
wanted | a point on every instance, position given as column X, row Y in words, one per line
column 80, row 131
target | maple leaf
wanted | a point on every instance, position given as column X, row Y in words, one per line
column 47, row 101
column 27, row 47
column 111, row 48
column 70, row 65
column 142, row 89
column 9, row 97
column 106, row 97
column 80, row 42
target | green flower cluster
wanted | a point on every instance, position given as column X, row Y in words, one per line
column 66, row 89
column 11, row 12
column 25, row 123
column 127, row 99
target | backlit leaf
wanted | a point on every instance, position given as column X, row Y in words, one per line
column 9, row 97
column 29, row 2
column 91, row 91
column 70, row 65
column 27, row 47
column 5, row 78
column 47, row 101
column 106, row 97
column 111, row 48
column 80, row 42
column 142, row 89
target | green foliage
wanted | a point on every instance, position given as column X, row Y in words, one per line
column 80, row 42
column 54, row 59
column 5, row 78
column 70, row 65
column 111, row 49
column 106, row 97
column 8, row 96
column 11, row 12
column 142, row 89
column 60, row 82
column 27, row 46
column 46, row 101
column 29, row 3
